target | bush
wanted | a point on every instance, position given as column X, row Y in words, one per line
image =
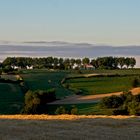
column 74, row 110
column 66, row 86
column 126, row 96
column 120, row 112
column 60, row 110
column 111, row 102
column 36, row 102
column 137, row 98
column 134, row 108
column 125, row 104
column 136, row 82
column 78, row 92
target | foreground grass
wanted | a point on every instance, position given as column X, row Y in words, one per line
column 67, row 127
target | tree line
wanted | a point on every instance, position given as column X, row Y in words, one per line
column 68, row 63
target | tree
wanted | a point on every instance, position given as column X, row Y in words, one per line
column 132, row 62
column 36, row 101
column 78, row 62
column 72, row 61
column 67, row 63
column 59, row 63
column 115, row 63
column 55, row 62
column 121, row 61
column 85, row 60
column 136, row 82
column 127, row 62
column 94, row 63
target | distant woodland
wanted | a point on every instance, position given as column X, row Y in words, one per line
column 68, row 63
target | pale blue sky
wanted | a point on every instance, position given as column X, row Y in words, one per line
column 114, row 22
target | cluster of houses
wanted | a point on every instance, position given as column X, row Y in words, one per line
column 81, row 67
column 18, row 67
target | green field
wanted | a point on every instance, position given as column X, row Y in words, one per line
column 44, row 80
column 83, row 109
column 11, row 98
column 99, row 85
column 118, row 71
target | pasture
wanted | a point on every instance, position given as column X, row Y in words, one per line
column 117, row 71
column 44, row 79
column 11, row 98
column 101, row 85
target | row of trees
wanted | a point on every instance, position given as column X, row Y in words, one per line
column 61, row 63
column 113, row 62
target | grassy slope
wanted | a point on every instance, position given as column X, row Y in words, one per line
column 45, row 80
column 11, row 98
column 67, row 127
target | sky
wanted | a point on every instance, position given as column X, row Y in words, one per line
column 112, row 22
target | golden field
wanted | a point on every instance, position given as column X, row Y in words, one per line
column 69, row 127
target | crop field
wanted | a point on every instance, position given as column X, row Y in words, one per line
column 118, row 71
column 101, row 85
column 44, row 80
column 68, row 127
column 11, row 98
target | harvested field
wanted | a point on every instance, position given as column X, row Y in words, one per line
column 67, row 127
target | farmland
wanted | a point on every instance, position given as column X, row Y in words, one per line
column 43, row 80
column 100, row 85
column 67, row 127
column 12, row 98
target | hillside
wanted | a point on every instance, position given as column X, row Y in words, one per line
column 66, row 127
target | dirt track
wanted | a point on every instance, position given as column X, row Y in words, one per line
column 75, row 99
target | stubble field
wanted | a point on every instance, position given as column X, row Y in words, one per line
column 67, row 127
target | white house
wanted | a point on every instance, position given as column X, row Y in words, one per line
column 29, row 67
column 15, row 67
column 75, row 66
